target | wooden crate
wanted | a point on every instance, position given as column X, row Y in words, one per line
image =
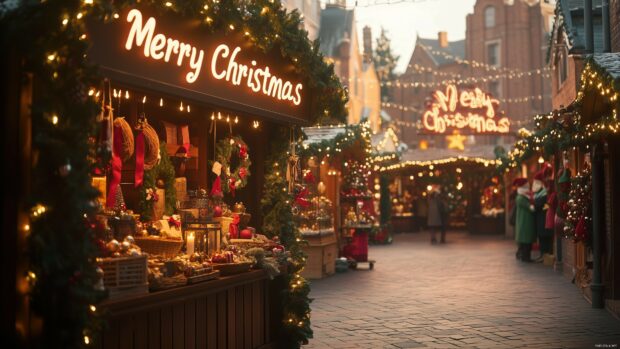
column 125, row 276
column 322, row 253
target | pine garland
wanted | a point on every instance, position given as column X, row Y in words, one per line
column 578, row 224
column 279, row 221
column 164, row 170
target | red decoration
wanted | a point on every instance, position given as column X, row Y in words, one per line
column 139, row 175
column 231, row 186
column 233, row 228
column 174, row 222
column 216, row 189
column 243, row 172
column 580, row 229
column 245, row 234
column 117, row 166
column 309, row 177
column 300, row 198
column 243, row 151
column 217, row 211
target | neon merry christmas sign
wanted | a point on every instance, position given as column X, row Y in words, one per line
column 223, row 65
column 469, row 110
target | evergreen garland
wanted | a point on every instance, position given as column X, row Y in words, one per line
column 53, row 43
column 578, row 224
column 163, row 170
column 278, row 220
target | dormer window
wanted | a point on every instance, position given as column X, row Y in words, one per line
column 489, row 17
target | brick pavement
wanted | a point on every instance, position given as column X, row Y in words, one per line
column 469, row 293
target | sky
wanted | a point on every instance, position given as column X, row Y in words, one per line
column 403, row 20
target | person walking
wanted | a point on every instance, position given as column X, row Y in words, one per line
column 540, row 215
column 433, row 221
column 525, row 227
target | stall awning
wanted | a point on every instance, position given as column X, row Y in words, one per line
column 480, row 154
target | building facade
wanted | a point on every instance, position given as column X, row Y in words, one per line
column 341, row 46
column 504, row 54
column 311, row 12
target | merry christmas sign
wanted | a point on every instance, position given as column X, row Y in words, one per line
column 469, row 111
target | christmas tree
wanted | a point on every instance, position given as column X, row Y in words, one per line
column 385, row 63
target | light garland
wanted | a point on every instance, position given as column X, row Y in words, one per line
column 564, row 129
column 431, row 163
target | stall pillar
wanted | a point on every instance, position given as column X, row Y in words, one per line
column 597, row 225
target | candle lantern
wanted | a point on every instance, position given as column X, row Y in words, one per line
column 208, row 237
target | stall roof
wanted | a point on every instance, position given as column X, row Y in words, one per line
column 387, row 142
column 480, row 154
column 324, row 133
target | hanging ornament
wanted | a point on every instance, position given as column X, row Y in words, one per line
column 64, row 170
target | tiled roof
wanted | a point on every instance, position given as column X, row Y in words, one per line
column 571, row 13
column 454, row 48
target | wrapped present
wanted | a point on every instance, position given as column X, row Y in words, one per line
column 169, row 226
column 180, row 184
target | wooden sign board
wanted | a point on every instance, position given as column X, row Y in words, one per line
column 176, row 56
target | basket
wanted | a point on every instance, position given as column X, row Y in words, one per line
column 232, row 268
column 124, row 276
column 158, row 246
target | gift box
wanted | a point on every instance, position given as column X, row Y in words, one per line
column 169, row 226
column 180, row 184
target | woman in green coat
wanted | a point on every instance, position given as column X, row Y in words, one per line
column 525, row 227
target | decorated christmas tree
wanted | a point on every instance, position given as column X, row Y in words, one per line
column 579, row 218
column 385, row 63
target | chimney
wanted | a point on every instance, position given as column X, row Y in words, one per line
column 367, row 44
column 443, row 39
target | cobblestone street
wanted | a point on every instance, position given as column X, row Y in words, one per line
column 469, row 293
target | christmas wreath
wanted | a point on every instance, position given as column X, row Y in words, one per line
column 233, row 178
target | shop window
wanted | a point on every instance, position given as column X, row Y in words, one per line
column 489, row 17
column 493, row 55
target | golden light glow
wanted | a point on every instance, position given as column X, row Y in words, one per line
column 456, row 141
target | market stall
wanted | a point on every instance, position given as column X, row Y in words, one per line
column 467, row 182
column 150, row 184
column 344, row 153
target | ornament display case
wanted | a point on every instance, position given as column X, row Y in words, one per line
column 316, row 224
column 357, row 213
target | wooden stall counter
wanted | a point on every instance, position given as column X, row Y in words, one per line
column 231, row 312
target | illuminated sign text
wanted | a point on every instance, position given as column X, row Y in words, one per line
column 225, row 64
column 471, row 110
column 256, row 78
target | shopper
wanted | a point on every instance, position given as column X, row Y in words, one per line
column 434, row 215
column 540, row 206
column 525, row 227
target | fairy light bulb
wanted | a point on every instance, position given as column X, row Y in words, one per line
column 161, row 102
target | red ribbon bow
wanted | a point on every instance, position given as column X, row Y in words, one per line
column 174, row 222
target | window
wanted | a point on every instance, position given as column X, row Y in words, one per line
column 495, row 88
column 493, row 54
column 562, row 69
column 489, row 17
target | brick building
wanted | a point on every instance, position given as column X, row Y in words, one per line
column 503, row 37
column 341, row 46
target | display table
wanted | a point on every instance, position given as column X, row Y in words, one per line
column 230, row 312
column 405, row 223
column 483, row 225
column 322, row 251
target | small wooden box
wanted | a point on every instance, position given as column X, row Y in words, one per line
column 322, row 252
column 125, row 276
